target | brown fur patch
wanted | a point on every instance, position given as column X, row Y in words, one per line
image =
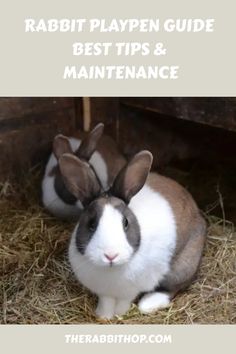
column 108, row 149
column 191, row 230
column 113, row 158
column 89, row 143
column 53, row 171
column 79, row 179
column 110, row 153
column 60, row 187
column 61, row 145
column 132, row 177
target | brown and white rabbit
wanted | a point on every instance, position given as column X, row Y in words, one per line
column 103, row 156
column 145, row 235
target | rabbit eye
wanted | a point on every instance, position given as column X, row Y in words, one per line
column 92, row 225
column 125, row 223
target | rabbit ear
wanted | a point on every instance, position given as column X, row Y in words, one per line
column 61, row 145
column 89, row 144
column 79, row 178
column 133, row 176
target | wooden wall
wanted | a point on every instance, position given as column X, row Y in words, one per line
column 163, row 125
column 27, row 126
column 211, row 111
column 193, row 140
column 194, row 136
column 172, row 128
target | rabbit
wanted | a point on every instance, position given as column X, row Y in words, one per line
column 145, row 235
column 103, row 156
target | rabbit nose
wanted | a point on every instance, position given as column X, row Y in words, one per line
column 111, row 257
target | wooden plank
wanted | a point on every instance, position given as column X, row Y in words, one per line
column 87, row 113
column 26, row 145
column 139, row 130
column 11, row 108
column 217, row 112
column 78, row 103
column 106, row 110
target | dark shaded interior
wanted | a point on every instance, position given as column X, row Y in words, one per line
column 192, row 139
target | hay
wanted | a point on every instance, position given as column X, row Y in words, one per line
column 37, row 285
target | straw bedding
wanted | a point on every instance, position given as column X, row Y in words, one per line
column 37, row 285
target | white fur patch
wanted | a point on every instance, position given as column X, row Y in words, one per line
column 154, row 301
column 109, row 239
column 54, row 204
column 109, row 307
column 122, row 306
column 105, row 307
column 144, row 270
